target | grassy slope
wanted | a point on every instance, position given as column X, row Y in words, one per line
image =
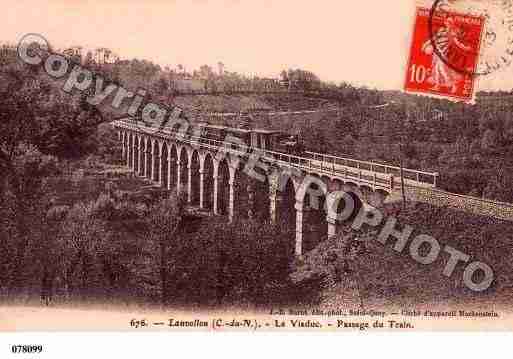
column 389, row 279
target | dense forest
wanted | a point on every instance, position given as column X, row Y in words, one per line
column 471, row 146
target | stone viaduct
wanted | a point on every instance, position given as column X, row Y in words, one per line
column 279, row 189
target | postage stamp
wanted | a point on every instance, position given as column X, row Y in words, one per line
column 444, row 54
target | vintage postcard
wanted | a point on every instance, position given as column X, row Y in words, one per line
column 269, row 166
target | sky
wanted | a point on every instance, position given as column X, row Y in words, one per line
column 364, row 42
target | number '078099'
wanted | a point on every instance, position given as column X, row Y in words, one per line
column 26, row 349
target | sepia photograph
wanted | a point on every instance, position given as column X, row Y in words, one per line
column 255, row 166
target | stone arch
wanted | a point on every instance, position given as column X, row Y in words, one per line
column 124, row 152
column 172, row 157
column 357, row 200
column 241, row 188
column 129, row 150
column 223, row 191
column 183, row 163
column 155, row 160
column 283, row 188
column 165, row 165
column 342, row 205
column 148, row 143
column 261, row 204
column 136, row 153
column 208, row 181
column 280, row 177
column 312, row 198
column 195, row 178
column 142, row 163
column 334, row 205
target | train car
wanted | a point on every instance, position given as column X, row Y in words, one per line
column 266, row 140
column 276, row 141
column 263, row 139
column 286, row 143
column 214, row 132
column 222, row 134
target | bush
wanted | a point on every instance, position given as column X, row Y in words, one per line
column 244, row 262
column 129, row 210
column 462, row 180
column 77, row 177
column 103, row 208
column 57, row 213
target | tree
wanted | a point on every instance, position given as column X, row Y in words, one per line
column 26, row 201
column 314, row 139
column 37, row 123
column 161, row 86
column 302, row 80
column 489, row 140
column 81, row 240
column 165, row 221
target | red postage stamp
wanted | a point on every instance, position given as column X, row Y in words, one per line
column 444, row 54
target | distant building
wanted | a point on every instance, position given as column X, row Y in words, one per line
column 426, row 114
column 100, row 55
column 437, row 115
column 103, row 55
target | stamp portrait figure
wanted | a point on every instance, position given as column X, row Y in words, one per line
column 446, row 37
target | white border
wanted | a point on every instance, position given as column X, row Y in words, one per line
column 258, row 345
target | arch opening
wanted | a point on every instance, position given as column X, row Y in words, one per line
column 223, row 194
column 155, row 162
column 242, row 187
column 141, row 156
column 184, row 162
column 208, row 185
column 286, row 212
column 195, row 179
column 129, row 149
column 262, row 200
column 315, row 224
column 356, row 204
column 149, row 162
column 136, row 154
column 165, row 165
column 172, row 159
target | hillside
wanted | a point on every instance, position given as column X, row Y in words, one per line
column 382, row 278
